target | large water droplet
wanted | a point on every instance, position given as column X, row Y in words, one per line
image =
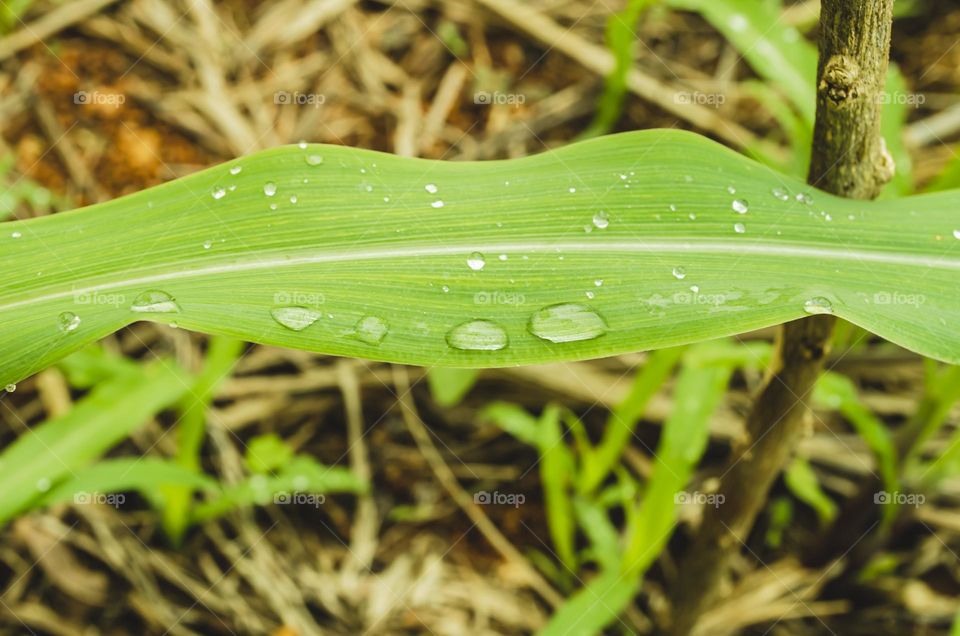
column 371, row 329
column 477, row 335
column 155, row 301
column 10, row 388
column 68, row 321
column 679, row 273
column 781, row 194
column 476, row 261
column 740, row 206
column 269, row 188
column 313, row 160
column 218, row 192
column 295, row 318
column 818, row 305
column 601, row 220
column 567, row 322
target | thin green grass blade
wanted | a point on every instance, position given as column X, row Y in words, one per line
column 803, row 483
column 616, row 244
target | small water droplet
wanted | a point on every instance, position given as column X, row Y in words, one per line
column 371, row 329
column 956, row 234
column 818, row 305
column 679, row 273
column 431, row 188
column 43, row 484
column 302, row 145
column 567, row 322
column 293, row 198
column 437, row 204
column 273, row 206
column 386, row 199
column 502, row 257
column 476, row 261
column 218, row 192
column 739, row 228
column 590, row 295
column 695, row 289
column 16, row 234
column 804, row 197
column 673, row 208
column 10, row 388
column 571, row 190
column 313, row 160
column 601, row 220
column 236, row 170
column 445, row 288
column 295, row 318
column 731, row 189
column 270, row 188
column 68, row 321
column 740, row 206
column 155, row 301
column 477, row 335
column 598, row 282
column 207, row 245
column 780, row 194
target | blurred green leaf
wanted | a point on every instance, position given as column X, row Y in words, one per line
column 803, row 483
column 449, row 386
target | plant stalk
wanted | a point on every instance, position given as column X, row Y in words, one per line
column 849, row 159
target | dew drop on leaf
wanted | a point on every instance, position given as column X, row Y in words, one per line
column 818, row 305
column 731, row 190
column 598, row 282
column 15, row 234
column 235, row 170
column 218, row 192
column 804, row 197
column 437, row 204
column 431, row 188
column 601, row 220
column 155, row 301
column 68, row 321
column 567, row 322
column 477, row 335
column 10, row 388
column 295, row 318
column 476, row 261
column 207, row 245
column 679, row 273
column 43, row 484
column 371, row 329
column 739, row 228
column 781, row 194
column 956, row 234
column 293, row 198
column 269, row 188
column 313, row 160
column 740, row 206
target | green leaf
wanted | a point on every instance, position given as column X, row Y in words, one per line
column 449, row 386
column 803, row 483
column 594, row 606
column 344, row 272
column 267, row 453
column 556, row 473
column 515, row 420
column 57, row 449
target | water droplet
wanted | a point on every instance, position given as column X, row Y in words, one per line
column 739, row 228
column 232, row 188
column 477, row 335
column 818, row 305
column 692, row 216
column 295, row 318
column 302, row 145
column 571, row 190
column 445, row 288
column 780, row 194
column 437, row 204
column 601, row 220
column 155, row 301
column 207, row 245
column 43, row 484
column 679, row 273
column 731, row 189
column 273, row 206
column 695, row 289
column 431, row 188
column 956, row 234
column 740, row 206
column 476, row 261
column 68, row 321
column 293, row 198
column 10, row 388
column 567, row 322
column 313, row 160
column 590, row 295
column 502, row 257
column 804, row 197
column 218, row 192
column 371, row 329
column 236, row 170
column 386, row 199
column 598, row 282
column 270, row 188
